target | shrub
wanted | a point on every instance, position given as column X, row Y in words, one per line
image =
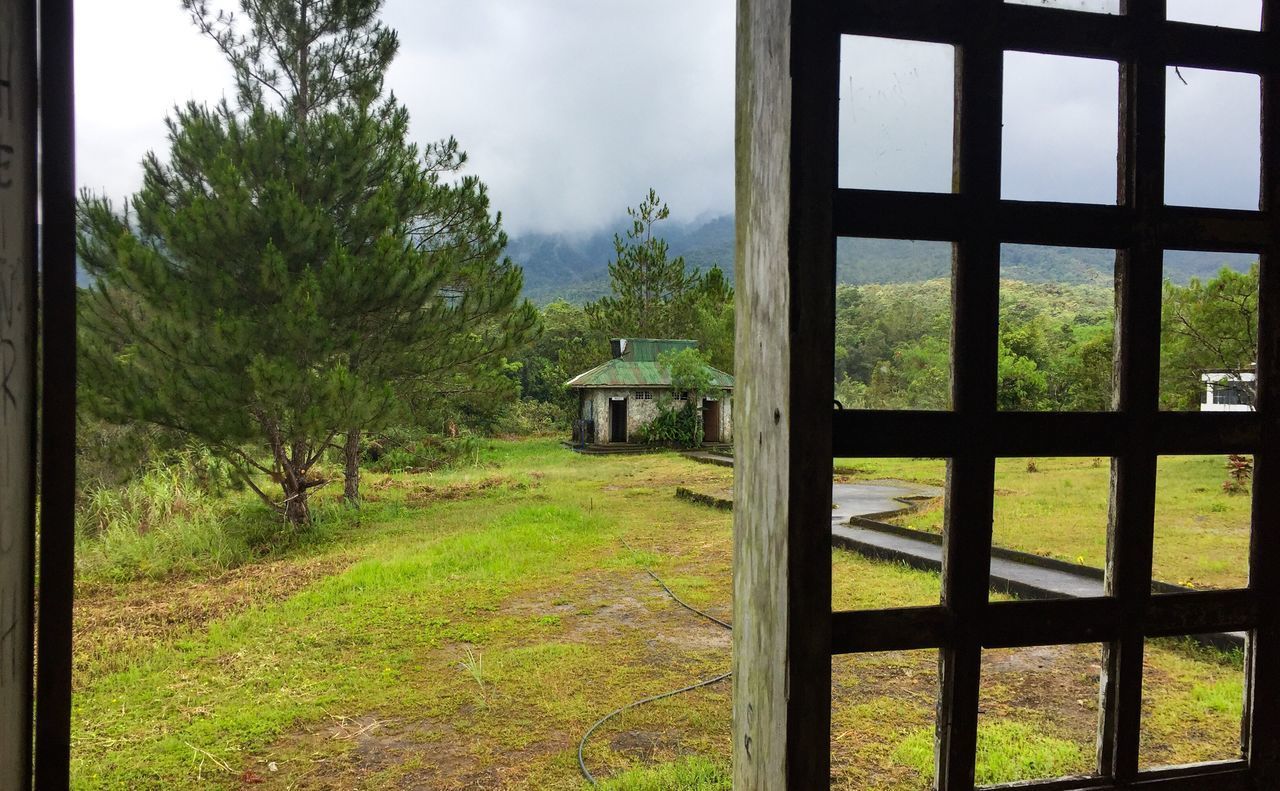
column 1239, row 473
column 530, row 418
column 408, row 450
column 674, row 425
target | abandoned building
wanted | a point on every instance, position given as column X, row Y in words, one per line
column 623, row 394
column 1228, row 390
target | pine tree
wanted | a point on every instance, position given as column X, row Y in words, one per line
column 289, row 266
column 653, row 295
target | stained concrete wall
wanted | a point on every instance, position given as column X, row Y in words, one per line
column 594, row 405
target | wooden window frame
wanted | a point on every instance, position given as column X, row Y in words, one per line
column 790, row 212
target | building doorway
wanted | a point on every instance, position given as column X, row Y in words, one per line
column 710, row 420
column 617, row 420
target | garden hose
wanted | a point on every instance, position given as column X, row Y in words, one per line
column 582, row 765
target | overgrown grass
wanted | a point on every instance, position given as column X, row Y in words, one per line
column 689, row 774
column 165, row 523
column 468, row 641
column 1008, row 751
column 1060, row 510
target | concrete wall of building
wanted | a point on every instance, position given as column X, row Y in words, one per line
column 594, row 406
column 726, row 417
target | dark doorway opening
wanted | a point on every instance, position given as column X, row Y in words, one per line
column 618, row 420
column 710, row 420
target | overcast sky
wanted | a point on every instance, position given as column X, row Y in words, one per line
column 572, row 109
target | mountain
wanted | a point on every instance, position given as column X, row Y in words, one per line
column 576, row 267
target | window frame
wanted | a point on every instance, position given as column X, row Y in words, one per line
column 977, row 220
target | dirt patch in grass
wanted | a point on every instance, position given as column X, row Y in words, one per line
column 113, row 623
column 372, row 751
column 644, row 745
column 653, row 645
column 425, row 493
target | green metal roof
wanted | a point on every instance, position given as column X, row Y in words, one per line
column 635, row 364
column 647, row 350
column 622, row 373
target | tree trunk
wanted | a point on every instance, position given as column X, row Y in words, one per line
column 351, row 485
column 290, row 474
column 296, row 510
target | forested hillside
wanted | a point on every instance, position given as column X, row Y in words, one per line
column 574, row 267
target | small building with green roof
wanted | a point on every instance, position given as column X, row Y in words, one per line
column 622, row 394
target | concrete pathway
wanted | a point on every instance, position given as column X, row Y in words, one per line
column 876, row 498
column 855, row 506
column 1009, row 575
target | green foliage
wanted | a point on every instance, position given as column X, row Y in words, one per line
column 568, row 345
column 399, row 450
column 677, row 423
column 254, row 670
column 178, row 517
column 1207, row 325
column 651, row 292
column 893, row 346
column 530, row 418
column 655, row 296
column 689, row 371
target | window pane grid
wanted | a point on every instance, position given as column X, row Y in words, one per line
column 1140, row 228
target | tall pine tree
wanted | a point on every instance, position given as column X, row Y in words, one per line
column 292, row 263
column 653, row 295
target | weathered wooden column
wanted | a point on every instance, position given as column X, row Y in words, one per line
column 785, row 269
column 17, row 385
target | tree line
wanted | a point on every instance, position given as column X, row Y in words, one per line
column 1056, row 343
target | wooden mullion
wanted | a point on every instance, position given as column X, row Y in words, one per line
column 1218, row 775
column 875, row 433
column 1261, row 734
column 1217, row 230
column 1139, row 270
column 886, row 214
column 903, row 629
column 966, row 556
column 1054, row 31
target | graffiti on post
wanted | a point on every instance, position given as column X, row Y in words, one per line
column 17, row 384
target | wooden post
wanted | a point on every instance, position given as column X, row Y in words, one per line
column 57, row 396
column 1261, row 736
column 788, row 58
column 17, row 386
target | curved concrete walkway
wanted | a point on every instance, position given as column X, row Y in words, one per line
column 1027, row 576
column 876, row 498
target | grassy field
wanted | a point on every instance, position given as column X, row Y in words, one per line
column 1060, row 510
column 473, row 623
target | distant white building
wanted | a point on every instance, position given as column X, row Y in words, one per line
column 1227, row 391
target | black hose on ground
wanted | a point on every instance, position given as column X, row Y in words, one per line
column 582, row 745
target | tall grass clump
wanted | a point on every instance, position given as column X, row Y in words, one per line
column 182, row 515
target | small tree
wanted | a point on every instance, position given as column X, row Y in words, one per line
column 677, row 421
column 1239, row 474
